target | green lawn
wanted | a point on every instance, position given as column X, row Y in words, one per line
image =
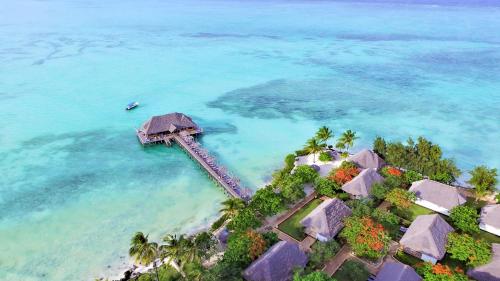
column 406, row 258
column 487, row 236
column 352, row 270
column 412, row 212
column 292, row 225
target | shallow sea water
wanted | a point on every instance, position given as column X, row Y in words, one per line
column 259, row 76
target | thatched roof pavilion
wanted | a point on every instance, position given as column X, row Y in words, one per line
column 326, row 220
column 366, row 159
column 161, row 128
column 277, row 264
column 361, row 185
column 168, row 123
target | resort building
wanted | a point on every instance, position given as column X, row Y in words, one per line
column 361, row 185
column 161, row 128
column 277, row 264
column 326, row 220
column 366, row 159
column 396, row 271
column 490, row 271
column 426, row 238
column 490, row 219
column 437, row 196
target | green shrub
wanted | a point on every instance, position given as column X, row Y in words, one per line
column 473, row 252
column 292, row 189
column 244, row 220
column 325, row 156
column 305, row 173
column 347, row 165
column 465, row 218
column 313, row 276
column 411, row 176
column 267, row 202
column 325, row 186
column 343, row 196
column 498, row 198
column 271, row 238
column 385, row 217
column 379, row 191
column 361, row 208
column 322, row 252
column 218, row 223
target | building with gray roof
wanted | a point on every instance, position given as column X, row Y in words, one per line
column 490, row 219
column 437, row 196
column 396, row 271
column 426, row 238
column 326, row 220
column 489, row 271
column 168, row 123
column 277, row 263
column 361, row 185
column 367, row 159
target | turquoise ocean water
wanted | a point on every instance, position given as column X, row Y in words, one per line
column 259, row 76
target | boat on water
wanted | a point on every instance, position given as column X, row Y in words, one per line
column 132, row 105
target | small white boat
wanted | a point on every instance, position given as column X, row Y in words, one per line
column 132, row 105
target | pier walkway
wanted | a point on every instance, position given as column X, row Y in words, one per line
column 230, row 183
column 180, row 128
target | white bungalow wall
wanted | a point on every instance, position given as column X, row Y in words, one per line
column 432, row 206
column 490, row 229
column 428, row 259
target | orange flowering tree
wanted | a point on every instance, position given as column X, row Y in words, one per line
column 366, row 237
column 400, row 198
column 345, row 173
column 439, row 272
column 258, row 244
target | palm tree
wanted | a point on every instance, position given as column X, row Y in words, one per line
column 232, row 206
column 173, row 249
column 143, row 251
column 346, row 140
column 324, row 134
column 314, row 146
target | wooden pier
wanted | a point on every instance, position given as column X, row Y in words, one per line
column 181, row 129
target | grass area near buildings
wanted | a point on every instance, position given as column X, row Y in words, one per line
column 292, row 225
column 352, row 270
column 406, row 258
column 412, row 212
column 487, row 236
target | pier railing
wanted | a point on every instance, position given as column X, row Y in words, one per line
column 230, row 183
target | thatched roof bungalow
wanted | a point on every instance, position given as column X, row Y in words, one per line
column 437, row 196
column 168, row 123
column 367, row 159
column 277, row 263
column 326, row 220
column 396, row 271
column 490, row 219
column 489, row 271
column 361, row 185
column 426, row 238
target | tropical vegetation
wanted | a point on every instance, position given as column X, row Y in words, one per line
column 483, row 180
column 439, row 272
column 473, row 252
column 366, row 237
column 465, row 218
column 422, row 156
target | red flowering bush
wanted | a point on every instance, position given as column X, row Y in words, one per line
column 366, row 237
column 345, row 173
